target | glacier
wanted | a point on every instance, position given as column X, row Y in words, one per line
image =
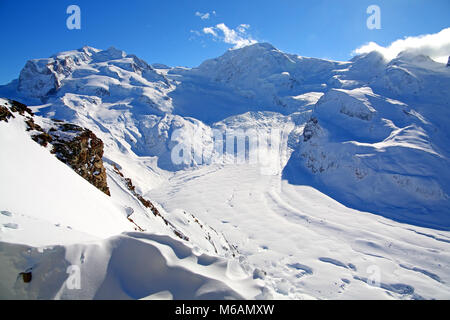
column 360, row 177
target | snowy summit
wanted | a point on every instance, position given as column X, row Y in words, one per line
column 350, row 177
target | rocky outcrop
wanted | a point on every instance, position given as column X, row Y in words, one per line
column 38, row 79
column 147, row 204
column 311, row 129
column 5, row 114
column 13, row 106
column 82, row 150
column 448, row 63
column 77, row 147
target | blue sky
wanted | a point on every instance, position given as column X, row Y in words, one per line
column 170, row 32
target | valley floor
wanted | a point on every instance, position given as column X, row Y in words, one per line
column 305, row 244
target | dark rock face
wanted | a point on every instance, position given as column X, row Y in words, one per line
column 13, row 106
column 448, row 63
column 77, row 147
column 26, row 276
column 310, row 130
column 5, row 114
column 38, row 81
column 82, row 150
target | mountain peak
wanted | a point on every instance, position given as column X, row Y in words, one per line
column 89, row 50
column 412, row 56
column 256, row 47
column 369, row 56
column 109, row 54
column 263, row 45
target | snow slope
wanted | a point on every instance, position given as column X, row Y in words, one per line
column 306, row 242
column 37, row 185
column 53, row 221
column 376, row 154
column 127, row 266
column 369, row 134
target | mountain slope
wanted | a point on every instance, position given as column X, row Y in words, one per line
column 369, row 133
column 52, row 221
column 374, row 154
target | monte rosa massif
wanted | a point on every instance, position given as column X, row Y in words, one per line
column 348, row 197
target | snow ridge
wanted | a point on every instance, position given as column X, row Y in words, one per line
column 369, row 133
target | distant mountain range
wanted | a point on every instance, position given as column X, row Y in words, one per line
column 369, row 133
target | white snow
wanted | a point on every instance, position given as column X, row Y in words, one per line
column 307, row 242
column 367, row 134
column 129, row 266
column 38, row 186
column 53, row 219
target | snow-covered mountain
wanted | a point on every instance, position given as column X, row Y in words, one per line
column 369, row 133
column 52, row 218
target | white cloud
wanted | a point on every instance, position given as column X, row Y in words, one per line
column 436, row 46
column 243, row 28
column 205, row 16
column 237, row 37
column 210, row 30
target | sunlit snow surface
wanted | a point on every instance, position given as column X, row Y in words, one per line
column 378, row 143
column 308, row 242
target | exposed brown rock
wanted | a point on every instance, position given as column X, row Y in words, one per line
column 117, row 171
column 147, row 203
column 5, row 114
column 137, row 228
column 20, row 108
column 84, row 153
column 75, row 146
column 32, row 125
column 42, row 138
column 26, row 276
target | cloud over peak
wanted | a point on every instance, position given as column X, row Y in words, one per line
column 436, row 46
column 237, row 37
